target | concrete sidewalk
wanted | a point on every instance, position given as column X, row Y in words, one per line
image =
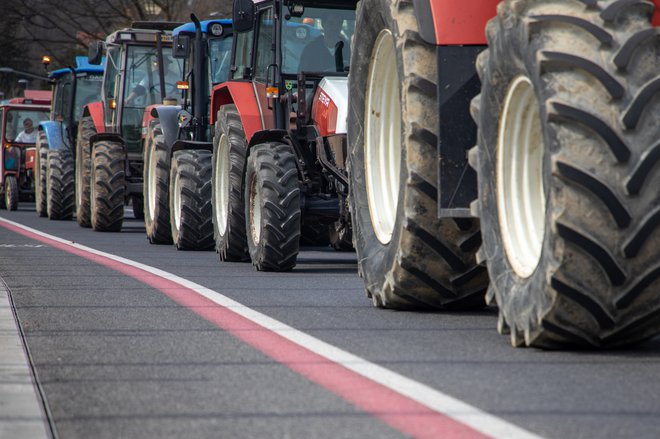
column 21, row 411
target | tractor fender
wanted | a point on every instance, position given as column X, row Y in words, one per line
column 263, row 136
column 186, row 145
column 55, row 138
column 109, row 137
column 95, row 110
column 448, row 22
column 242, row 95
column 169, row 121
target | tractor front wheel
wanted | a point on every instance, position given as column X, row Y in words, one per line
column 60, row 193
column 107, row 187
column 86, row 130
column 272, row 207
column 11, row 192
column 190, row 200
column 156, row 186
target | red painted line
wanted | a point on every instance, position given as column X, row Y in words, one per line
column 396, row 410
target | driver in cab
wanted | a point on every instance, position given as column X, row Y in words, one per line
column 321, row 55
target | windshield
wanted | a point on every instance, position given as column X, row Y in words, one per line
column 318, row 41
column 142, row 79
column 220, row 59
column 88, row 89
column 21, row 125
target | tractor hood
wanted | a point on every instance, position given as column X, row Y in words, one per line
column 330, row 106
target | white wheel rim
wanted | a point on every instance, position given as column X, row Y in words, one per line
column 221, row 184
column 382, row 137
column 177, row 202
column 151, row 180
column 255, row 211
column 520, row 189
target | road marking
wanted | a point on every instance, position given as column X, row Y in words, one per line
column 407, row 405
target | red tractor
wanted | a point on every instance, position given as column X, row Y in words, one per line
column 18, row 135
column 139, row 72
column 558, row 202
column 280, row 132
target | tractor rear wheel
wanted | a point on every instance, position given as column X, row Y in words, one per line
column 11, row 193
column 40, row 171
column 60, row 193
column 272, row 207
column 568, row 200
column 408, row 257
column 229, row 152
column 107, row 187
column 156, row 186
column 190, row 200
column 86, row 130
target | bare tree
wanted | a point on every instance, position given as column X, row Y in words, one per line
column 30, row 29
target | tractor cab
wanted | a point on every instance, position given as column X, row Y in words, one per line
column 140, row 72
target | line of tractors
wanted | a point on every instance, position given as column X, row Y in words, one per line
column 475, row 152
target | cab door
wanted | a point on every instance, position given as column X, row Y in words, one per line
column 264, row 64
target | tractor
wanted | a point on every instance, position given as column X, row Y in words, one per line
column 139, row 72
column 18, row 136
column 73, row 88
column 554, row 213
column 178, row 147
column 280, row 132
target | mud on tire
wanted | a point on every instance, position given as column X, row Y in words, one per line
column 583, row 268
column 229, row 153
column 86, row 130
column 108, row 187
column 272, row 207
column 60, row 193
column 419, row 261
column 157, row 186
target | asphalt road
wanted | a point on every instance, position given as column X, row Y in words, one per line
column 116, row 357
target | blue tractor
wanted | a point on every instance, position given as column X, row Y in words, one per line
column 73, row 88
column 178, row 141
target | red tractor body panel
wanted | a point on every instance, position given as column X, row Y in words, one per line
column 656, row 16
column 242, row 95
column 461, row 21
column 95, row 110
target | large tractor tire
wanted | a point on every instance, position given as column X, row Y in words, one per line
column 190, row 200
column 40, row 171
column 229, row 154
column 157, row 186
column 272, row 207
column 60, row 195
column 86, row 130
column 567, row 160
column 408, row 257
column 108, row 186
column 11, row 193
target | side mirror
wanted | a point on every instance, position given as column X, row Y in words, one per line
column 181, row 46
column 243, row 15
column 95, row 54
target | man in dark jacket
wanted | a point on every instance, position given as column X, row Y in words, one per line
column 322, row 54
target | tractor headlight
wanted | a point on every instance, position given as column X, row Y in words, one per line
column 216, row 29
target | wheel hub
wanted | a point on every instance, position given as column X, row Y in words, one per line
column 382, row 137
column 520, row 188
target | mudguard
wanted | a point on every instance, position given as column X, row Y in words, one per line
column 95, row 110
column 169, row 121
column 451, row 22
column 55, row 138
column 182, row 145
column 242, row 95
